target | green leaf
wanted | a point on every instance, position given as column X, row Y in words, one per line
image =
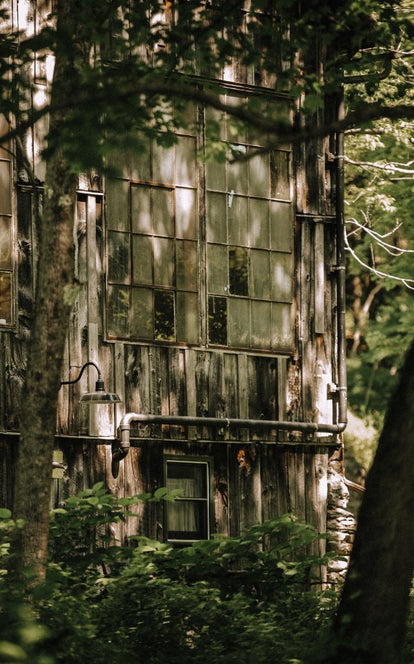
column 5, row 513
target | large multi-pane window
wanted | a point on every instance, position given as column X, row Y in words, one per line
column 204, row 259
column 6, row 234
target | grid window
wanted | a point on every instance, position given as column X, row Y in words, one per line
column 224, row 245
column 188, row 516
column 153, row 246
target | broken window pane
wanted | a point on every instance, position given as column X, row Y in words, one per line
column 5, row 299
column 164, row 315
column 238, row 271
column 118, row 259
column 217, row 320
column 118, row 308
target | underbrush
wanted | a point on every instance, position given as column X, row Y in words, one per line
column 243, row 600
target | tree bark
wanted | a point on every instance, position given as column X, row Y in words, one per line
column 370, row 624
column 55, row 291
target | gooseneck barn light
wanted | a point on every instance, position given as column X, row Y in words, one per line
column 99, row 395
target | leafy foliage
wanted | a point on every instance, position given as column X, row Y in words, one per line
column 234, row 599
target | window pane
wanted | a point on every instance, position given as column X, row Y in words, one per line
column 141, row 210
column 118, row 259
column 218, row 279
column 281, row 276
column 140, row 160
column 238, row 324
column 259, row 175
column 117, row 201
column 279, row 174
column 261, row 324
column 163, row 261
column 282, row 326
column 216, row 217
column 191, row 477
column 186, row 261
column 162, row 212
column 187, row 317
column 260, row 271
column 187, row 520
column 281, row 228
column 5, row 243
column 185, row 214
column 142, row 314
column 217, row 320
column 238, row 222
column 185, row 161
column 163, row 164
column 118, row 308
column 142, row 259
column 259, row 223
column 238, row 271
column 216, row 175
column 164, row 315
column 5, row 194
column 237, row 171
column 5, row 299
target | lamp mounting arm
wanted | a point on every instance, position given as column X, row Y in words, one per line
column 87, row 364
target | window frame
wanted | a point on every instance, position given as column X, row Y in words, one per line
column 269, row 316
column 207, row 462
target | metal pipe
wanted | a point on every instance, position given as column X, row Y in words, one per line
column 341, row 292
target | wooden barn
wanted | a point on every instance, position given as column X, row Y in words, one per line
column 212, row 305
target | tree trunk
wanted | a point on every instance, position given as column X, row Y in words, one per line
column 54, row 295
column 370, row 625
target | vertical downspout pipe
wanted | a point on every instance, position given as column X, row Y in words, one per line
column 341, row 292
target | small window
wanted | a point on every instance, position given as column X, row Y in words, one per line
column 188, row 517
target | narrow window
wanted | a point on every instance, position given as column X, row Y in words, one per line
column 188, row 516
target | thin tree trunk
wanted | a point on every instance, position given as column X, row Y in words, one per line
column 54, row 296
column 370, row 625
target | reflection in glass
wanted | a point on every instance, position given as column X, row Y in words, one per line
column 164, row 315
column 217, row 320
column 118, row 307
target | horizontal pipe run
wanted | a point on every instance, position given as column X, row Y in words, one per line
column 225, row 422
